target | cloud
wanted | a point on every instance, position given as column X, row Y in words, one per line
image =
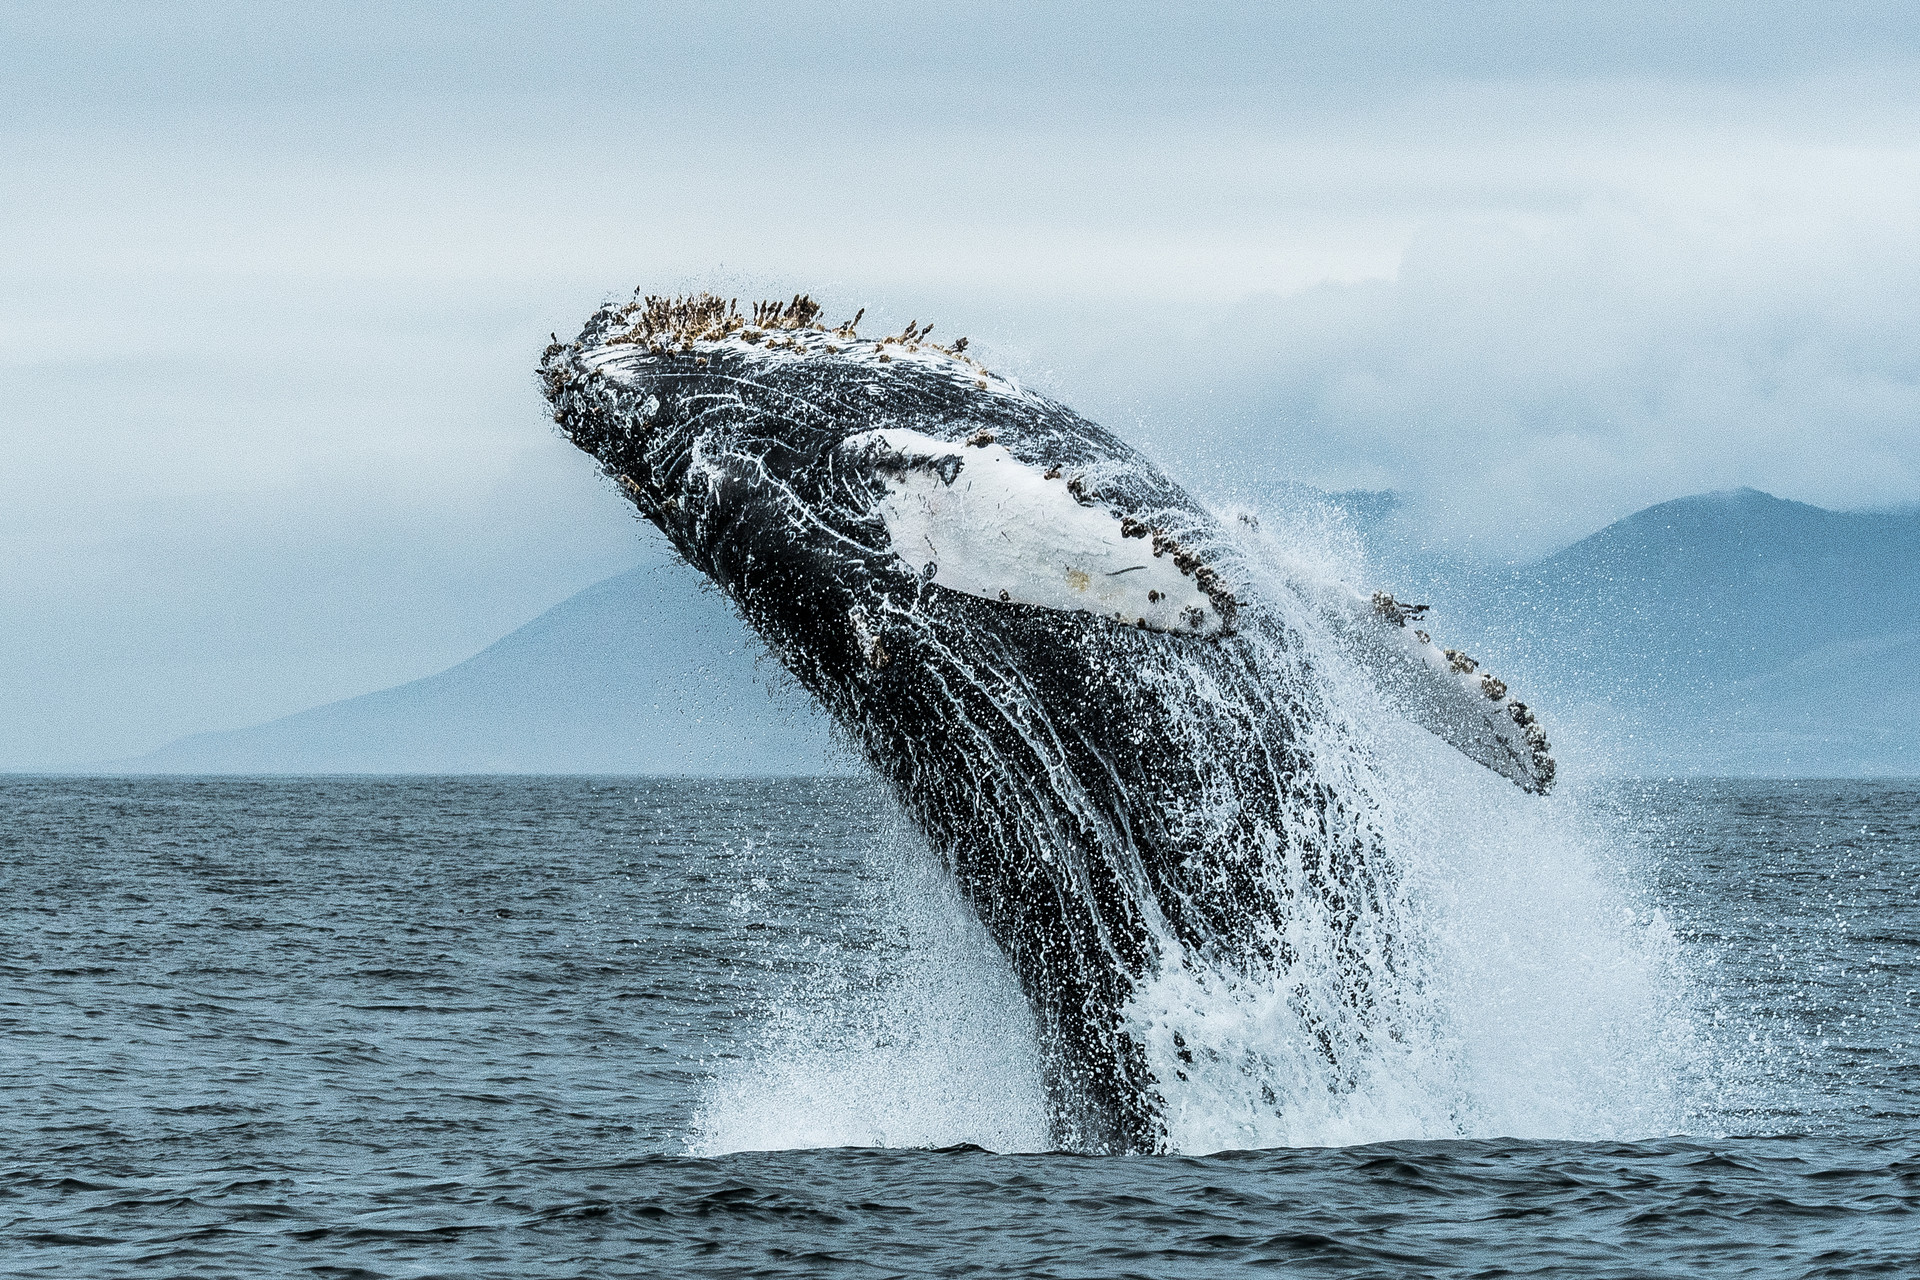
column 943, row 67
column 227, row 504
column 1711, row 312
column 268, row 433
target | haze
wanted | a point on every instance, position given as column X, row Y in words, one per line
column 276, row 277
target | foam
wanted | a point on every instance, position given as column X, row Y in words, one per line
column 1502, row 975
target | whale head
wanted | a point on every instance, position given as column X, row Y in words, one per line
column 775, row 452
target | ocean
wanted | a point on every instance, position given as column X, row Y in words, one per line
column 559, row 1027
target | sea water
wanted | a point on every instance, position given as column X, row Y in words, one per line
column 571, row 1027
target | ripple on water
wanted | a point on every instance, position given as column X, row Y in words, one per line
column 416, row 1027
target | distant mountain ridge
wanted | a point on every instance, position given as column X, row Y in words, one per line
column 648, row 672
column 1728, row 633
column 1744, row 577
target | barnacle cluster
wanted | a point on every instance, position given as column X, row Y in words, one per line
column 1395, row 611
column 666, row 324
column 1188, row 562
column 1203, row 575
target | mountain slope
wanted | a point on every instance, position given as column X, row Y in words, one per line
column 646, row 672
column 1728, row 632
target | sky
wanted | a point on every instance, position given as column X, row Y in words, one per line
column 274, row 277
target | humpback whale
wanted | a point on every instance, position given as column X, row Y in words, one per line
column 1065, row 667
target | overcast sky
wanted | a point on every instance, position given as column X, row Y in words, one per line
column 275, row 277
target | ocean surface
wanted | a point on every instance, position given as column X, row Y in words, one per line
column 558, row 1027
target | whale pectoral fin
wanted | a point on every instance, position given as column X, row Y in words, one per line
column 974, row 519
column 1445, row 692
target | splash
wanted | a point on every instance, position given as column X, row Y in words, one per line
column 920, row 1037
column 1497, row 972
column 1183, row 780
column 1531, row 991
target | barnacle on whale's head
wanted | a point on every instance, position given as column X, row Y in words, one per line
column 664, row 323
column 642, row 351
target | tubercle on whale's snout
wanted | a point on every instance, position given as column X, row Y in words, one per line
column 664, row 324
column 701, row 330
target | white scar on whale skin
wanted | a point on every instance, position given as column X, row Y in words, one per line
column 992, row 526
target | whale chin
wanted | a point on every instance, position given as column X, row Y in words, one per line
column 1106, row 719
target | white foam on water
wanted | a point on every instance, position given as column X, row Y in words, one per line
column 931, row 1045
column 1530, row 995
column 1519, row 984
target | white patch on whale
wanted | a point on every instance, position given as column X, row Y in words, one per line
column 992, row 526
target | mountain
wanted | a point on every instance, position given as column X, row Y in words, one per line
column 1723, row 633
column 1728, row 633
column 646, row 672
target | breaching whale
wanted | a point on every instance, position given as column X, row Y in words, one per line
column 1056, row 658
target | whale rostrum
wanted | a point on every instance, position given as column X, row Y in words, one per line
column 1062, row 665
